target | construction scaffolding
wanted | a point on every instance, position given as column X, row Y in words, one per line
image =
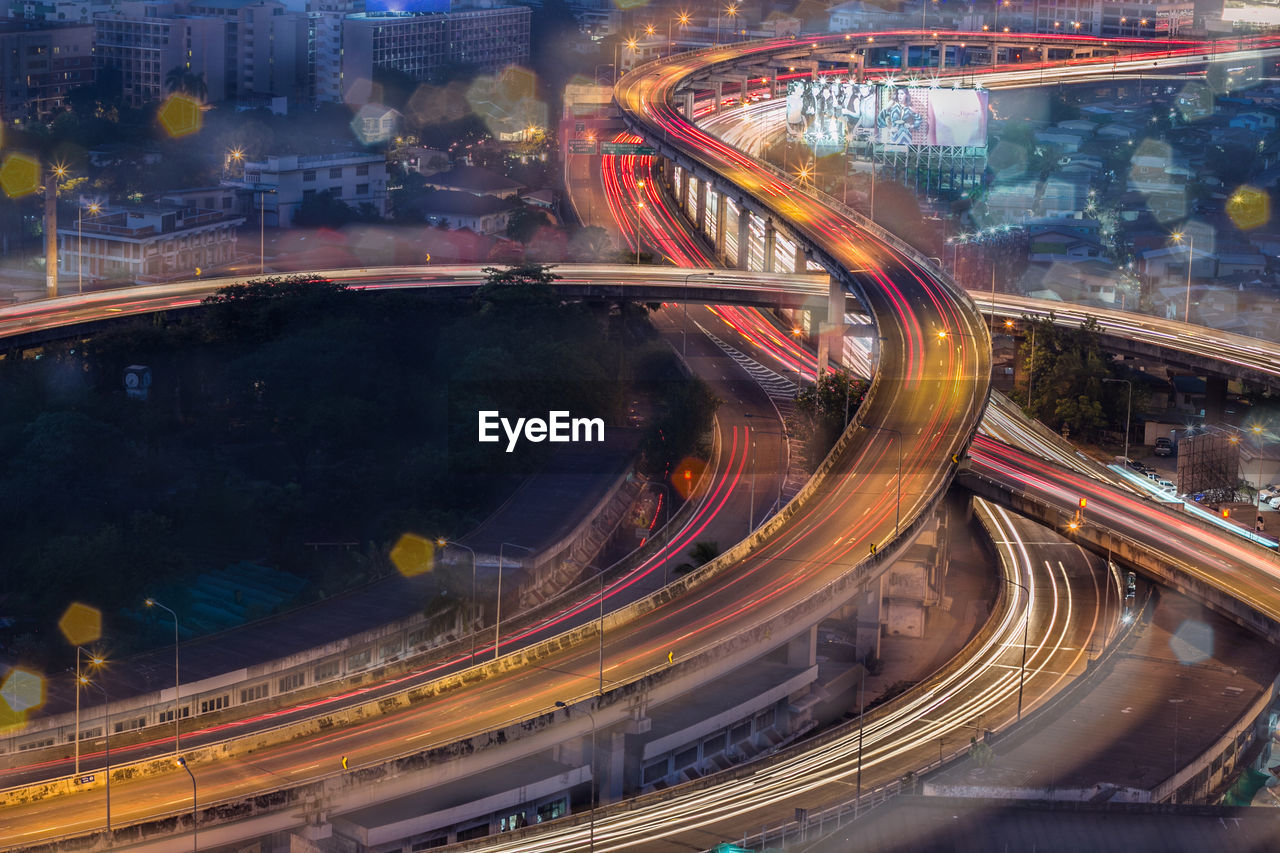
column 1209, row 463
column 933, row 170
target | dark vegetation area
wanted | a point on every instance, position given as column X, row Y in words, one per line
column 290, row 412
column 823, row 411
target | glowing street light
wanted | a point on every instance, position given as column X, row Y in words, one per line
column 94, row 208
column 497, row 622
column 95, row 661
column 151, row 602
column 1191, row 259
column 444, row 543
column 683, row 18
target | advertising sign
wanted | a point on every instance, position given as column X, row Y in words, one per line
column 835, row 112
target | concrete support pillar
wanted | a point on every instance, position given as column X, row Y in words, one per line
column 803, row 650
column 831, row 342
column 905, row 48
column 942, row 56
column 746, row 87
column 682, row 188
column 686, row 101
column 773, row 85
column 1215, row 398
column 700, row 206
column 770, row 245
column 744, row 238
column 798, row 262
column 868, row 638
column 719, row 96
column 721, row 214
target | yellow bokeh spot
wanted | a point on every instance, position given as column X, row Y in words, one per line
column 413, row 555
column 20, row 175
column 180, row 115
column 22, row 691
column 81, row 624
column 1249, row 208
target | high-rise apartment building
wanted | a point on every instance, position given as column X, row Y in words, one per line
column 266, row 46
column 146, row 39
column 420, row 44
column 39, row 64
column 60, row 11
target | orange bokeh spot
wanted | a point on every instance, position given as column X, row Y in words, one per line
column 180, row 115
column 20, row 175
column 81, row 624
column 413, row 555
column 686, row 476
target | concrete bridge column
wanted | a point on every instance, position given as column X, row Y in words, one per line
column 682, row 189
column 700, row 206
column 719, row 96
column 744, row 238
column 802, row 651
column 773, row 85
column 686, row 102
column 831, row 341
column 1215, row 398
column 798, row 262
column 746, row 87
column 942, row 56
column 770, row 245
column 904, row 48
column 721, row 212
column 868, row 635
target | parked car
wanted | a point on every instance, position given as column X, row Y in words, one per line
column 1274, row 503
column 1164, row 446
column 1165, row 484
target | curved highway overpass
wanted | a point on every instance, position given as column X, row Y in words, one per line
column 944, row 378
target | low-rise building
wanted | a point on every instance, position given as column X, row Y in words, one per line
column 278, row 185
column 147, row 244
column 482, row 214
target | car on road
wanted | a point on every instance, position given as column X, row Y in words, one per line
column 1163, row 446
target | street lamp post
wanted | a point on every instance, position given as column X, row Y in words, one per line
column 151, row 602
column 95, row 661
column 497, row 622
column 471, row 619
column 262, row 228
column 640, row 185
column 1177, row 705
column 195, row 820
column 94, row 207
column 591, row 821
column 1256, row 429
column 684, row 22
column 1026, row 622
column 1128, row 411
column 600, row 632
column 798, row 333
column 1191, row 259
column 897, row 512
column 684, row 307
column 106, row 728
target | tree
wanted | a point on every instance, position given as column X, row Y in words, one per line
column 323, row 210
column 524, row 223
column 591, row 243
column 824, row 409
column 520, row 274
column 1067, row 368
column 702, row 552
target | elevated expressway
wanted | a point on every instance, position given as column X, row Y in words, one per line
column 796, row 556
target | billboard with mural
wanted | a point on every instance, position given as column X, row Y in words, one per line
column 833, row 112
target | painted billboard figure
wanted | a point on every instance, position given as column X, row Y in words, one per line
column 899, row 121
